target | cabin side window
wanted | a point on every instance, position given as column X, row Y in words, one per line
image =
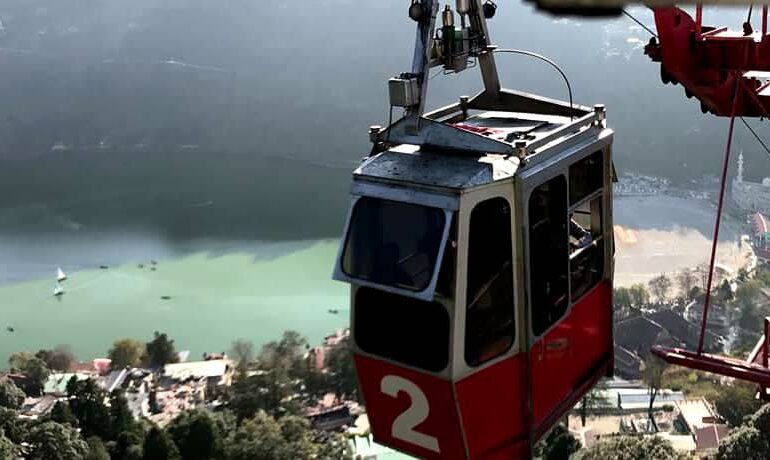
column 548, row 253
column 489, row 323
column 403, row 329
column 585, row 235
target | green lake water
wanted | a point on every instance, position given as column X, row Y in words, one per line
column 214, row 300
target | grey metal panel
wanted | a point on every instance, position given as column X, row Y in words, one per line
column 406, row 195
column 432, row 133
column 447, row 171
column 519, row 101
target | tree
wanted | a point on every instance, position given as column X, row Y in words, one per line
column 53, row 441
column 702, row 273
column 61, row 413
column 659, row 286
column 735, row 402
column 639, row 295
column 121, row 418
column 11, row 396
column 33, row 368
column 126, row 353
column 630, row 448
column 160, row 351
column 7, row 448
column 652, row 375
column 285, row 355
column 14, row 428
column 265, row 438
column 197, row 435
column 744, row 443
column 342, row 369
column 159, row 446
column 96, row 449
column 128, row 446
column 268, row 391
column 243, row 353
column 622, row 297
column 87, row 405
column 761, row 420
column 557, row 445
column 58, row 359
column 686, row 280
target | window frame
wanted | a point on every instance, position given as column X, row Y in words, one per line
column 513, row 291
column 447, row 204
column 531, row 182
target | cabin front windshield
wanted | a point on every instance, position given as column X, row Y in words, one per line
column 393, row 243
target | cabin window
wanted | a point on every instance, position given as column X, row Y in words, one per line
column 585, row 236
column 489, row 322
column 548, row 253
column 403, row 329
column 586, row 246
column 393, row 243
column 586, row 177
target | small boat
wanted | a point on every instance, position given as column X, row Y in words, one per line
column 333, row 311
column 58, row 290
column 165, row 297
column 10, row 329
column 104, row 267
column 60, row 275
column 140, row 266
column 152, row 268
column 154, row 262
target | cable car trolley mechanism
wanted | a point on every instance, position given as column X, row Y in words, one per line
column 479, row 251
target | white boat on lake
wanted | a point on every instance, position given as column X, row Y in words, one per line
column 58, row 290
column 60, row 275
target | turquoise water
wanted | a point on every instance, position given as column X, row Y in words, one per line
column 214, row 300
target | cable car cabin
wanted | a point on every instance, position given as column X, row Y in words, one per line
column 710, row 61
column 481, row 298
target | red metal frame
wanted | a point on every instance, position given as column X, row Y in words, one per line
column 708, row 61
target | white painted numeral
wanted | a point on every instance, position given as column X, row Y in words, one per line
column 403, row 425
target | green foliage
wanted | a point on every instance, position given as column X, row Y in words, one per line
column 342, row 370
column 269, row 391
column 59, row 359
column 161, row 351
column 197, row 435
column 761, row 420
column 686, row 280
column 639, row 295
column 33, row 368
column 744, row 443
column 53, row 441
column 622, row 297
column 128, row 446
column 735, row 402
column 558, row 445
column 126, row 353
column 159, row 446
column 285, row 355
column 630, row 448
column 96, row 449
column 7, row 448
column 660, row 286
column 88, row 407
column 265, row 438
column 61, row 413
column 14, row 428
column 242, row 351
column 11, row 396
column 121, row 418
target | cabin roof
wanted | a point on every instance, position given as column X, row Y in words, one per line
column 409, row 164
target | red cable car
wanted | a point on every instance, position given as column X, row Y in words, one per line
column 479, row 248
column 710, row 61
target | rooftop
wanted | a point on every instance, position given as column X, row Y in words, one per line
column 197, row 369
